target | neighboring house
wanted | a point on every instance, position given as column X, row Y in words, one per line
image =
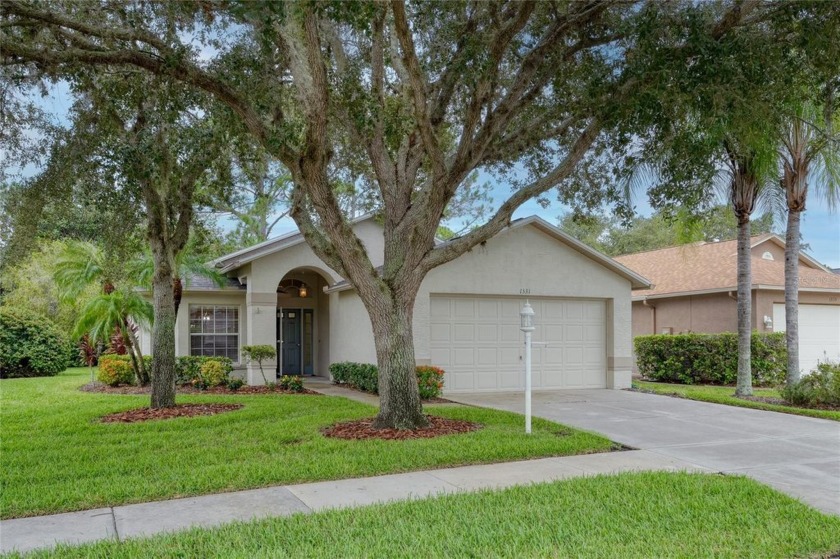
column 695, row 290
column 466, row 318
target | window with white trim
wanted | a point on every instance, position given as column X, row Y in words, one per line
column 214, row 331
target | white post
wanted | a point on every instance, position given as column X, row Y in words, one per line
column 528, row 383
column 526, row 316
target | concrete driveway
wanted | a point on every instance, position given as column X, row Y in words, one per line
column 797, row 455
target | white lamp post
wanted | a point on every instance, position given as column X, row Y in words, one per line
column 526, row 316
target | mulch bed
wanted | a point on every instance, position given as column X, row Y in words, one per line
column 363, row 429
column 105, row 389
column 180, row 410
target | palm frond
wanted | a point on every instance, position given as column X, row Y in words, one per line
column 80, row 264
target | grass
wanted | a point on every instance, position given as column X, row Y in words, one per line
column 724, row 395
column 57, row 457
column 624, row 516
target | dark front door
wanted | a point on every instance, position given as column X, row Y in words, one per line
column 290, row 341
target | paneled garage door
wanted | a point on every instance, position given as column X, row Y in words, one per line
column 819, row 332
column 477, row 341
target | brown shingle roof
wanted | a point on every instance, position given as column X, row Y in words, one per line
column 713, row 266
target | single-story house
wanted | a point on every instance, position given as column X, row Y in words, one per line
column 466, row 318
column 695, row 290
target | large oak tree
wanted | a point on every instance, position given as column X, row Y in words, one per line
column 414, row 97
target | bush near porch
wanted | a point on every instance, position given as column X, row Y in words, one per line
column 709, row 358
column 115, row 370
column 365, row 377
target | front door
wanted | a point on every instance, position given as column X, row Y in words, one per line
column 290, row 341
column 296, row 344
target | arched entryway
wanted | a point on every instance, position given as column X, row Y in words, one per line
column 302, row 324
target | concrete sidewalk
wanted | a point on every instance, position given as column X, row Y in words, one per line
column 146, row 519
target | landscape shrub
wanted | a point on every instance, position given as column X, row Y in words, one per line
column 365, row 377
column 235, row 384
column 213, row 372
column 31, row 345
column 709, row 358
column 292, row 383
column 115, row 370
column 819, row 388
column 430, row 381
column 188, row 367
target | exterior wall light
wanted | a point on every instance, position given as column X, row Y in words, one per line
column 768, row 322
column 303, row 291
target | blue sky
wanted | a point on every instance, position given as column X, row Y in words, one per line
column 820, row 227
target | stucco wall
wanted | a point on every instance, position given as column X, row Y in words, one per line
column 516, row 260
column 528, row 259
column 712, row 313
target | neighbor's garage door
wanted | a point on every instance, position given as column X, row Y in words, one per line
column 477, row 341
column 819, row 332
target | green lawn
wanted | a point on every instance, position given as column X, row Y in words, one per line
column 724, row 395
column 625, row 516
column 57, row 457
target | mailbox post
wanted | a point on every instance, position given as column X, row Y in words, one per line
column 526, row 316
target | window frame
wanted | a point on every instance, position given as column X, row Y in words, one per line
column 213, row 307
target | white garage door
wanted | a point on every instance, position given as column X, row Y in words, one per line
column 819, row 333
column 477, row 341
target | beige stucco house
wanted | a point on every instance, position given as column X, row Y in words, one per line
column 466, row 318
column 695, row 288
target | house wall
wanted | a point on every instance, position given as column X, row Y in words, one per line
column 515, row 260
column 771, row 247
column 765, row 299
column 713, row 312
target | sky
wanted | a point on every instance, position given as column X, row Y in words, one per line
column 820, row 227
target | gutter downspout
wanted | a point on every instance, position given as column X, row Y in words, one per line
column 653, row 312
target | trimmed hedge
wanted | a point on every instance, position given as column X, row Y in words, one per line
column 365, row 377
column 31, row 345
column 709, row 358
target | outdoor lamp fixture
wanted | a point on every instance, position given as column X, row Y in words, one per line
column 768, row 322
column 526, row 317
column 303, row 292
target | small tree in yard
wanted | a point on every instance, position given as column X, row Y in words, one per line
column 259, row 353
column 414, row 98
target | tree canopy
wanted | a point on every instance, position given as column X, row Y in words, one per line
column 410, row 99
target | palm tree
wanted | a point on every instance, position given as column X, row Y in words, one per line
column 82, row 264
column 187, row 265
column 117, row 311
column 809, row 150
column 748, row 186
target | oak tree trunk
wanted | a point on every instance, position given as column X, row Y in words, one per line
column 792, row 296
column 744, row 379
column 163, row 329
column 399, row 396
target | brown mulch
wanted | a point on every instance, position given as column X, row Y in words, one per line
column 363, row 429
column 105, row 389
column 180, row 410
column 780, row 402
